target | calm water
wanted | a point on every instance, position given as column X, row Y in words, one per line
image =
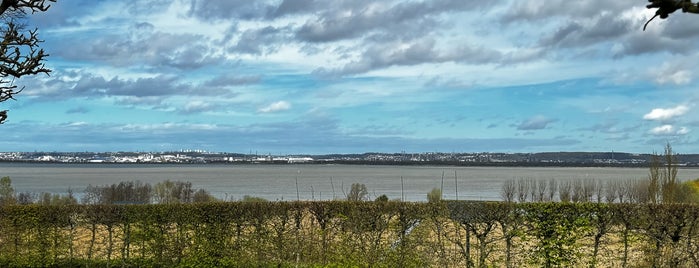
column 315, row 182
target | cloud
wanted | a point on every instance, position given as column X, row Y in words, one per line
column 669, row 130
column 348, row 19
column 675, row 74
column 82, row 84
column 223, row 61
column 661, row 114
column 78, row 110
column 197, row 106
column 519, row 11
column 683, row 131
column 132, row 101
column 259, row 41
column 232, row 80
column 601, row 28
column 423, row 51
column 535, row 123
column 213, row 10
column 142, row 43
column 275, row 107
column 289, row 7
column 680, row 77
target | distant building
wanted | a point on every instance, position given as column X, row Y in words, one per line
column 300, row 160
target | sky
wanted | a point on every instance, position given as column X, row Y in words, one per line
column 354, row 76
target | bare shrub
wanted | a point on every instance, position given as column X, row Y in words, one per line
column 507, row 192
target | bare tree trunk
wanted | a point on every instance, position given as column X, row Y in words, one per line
column 92, row 241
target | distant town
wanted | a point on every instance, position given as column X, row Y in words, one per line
column 431, row 158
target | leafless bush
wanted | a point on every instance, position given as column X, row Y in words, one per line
column 564, row 191
column 553, row 186
column 522, row 190
column 588, row 190
column 508, row 191
column 541, row 191
column 532, row 189
column 578, row 194
column 640, row 191
column 599, row 189
column 611, row 191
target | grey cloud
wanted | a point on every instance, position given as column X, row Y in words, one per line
column 638, row 44
column 211, row 10
column 681, row 26
column 535, row 123
column 61, row 14
column 289, row 7
column 147, row 7
column 77, row 110
column 421, row 51
column 141, row 87
column 544, row 10
column 333, row 27
column 679, row 35
column 142, row 45
column 584, row 24
column 612, row 127
column 192, row 57
column 259, row 41
column 151, row 92
column 360, row 19
column 563, row 33
column 576, row 34
column 153, row 101
column 232, row 80
column 143, row 27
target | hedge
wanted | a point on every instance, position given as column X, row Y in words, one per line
column 341, row 233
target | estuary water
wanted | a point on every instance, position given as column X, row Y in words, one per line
column 308, row 182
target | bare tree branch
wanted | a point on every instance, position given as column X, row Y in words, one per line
column 20, row 54
column 21, row 5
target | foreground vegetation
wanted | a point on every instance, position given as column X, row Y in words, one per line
column 650, row 222
column 342, row 233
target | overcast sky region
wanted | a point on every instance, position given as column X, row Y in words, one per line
column 353, row 76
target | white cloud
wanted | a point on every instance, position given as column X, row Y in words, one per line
column 680, row 77
column 196, row 106
column 665, row 130
column 675, row 73
column 660, row 114
column 275, row 107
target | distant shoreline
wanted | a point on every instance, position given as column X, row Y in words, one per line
column 482, row 159
column 356, row 162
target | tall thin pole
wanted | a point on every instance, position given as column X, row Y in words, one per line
column 441, row 188
column 298, row 196
column 456, row 185
column 333, row 186
column 402, row 193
